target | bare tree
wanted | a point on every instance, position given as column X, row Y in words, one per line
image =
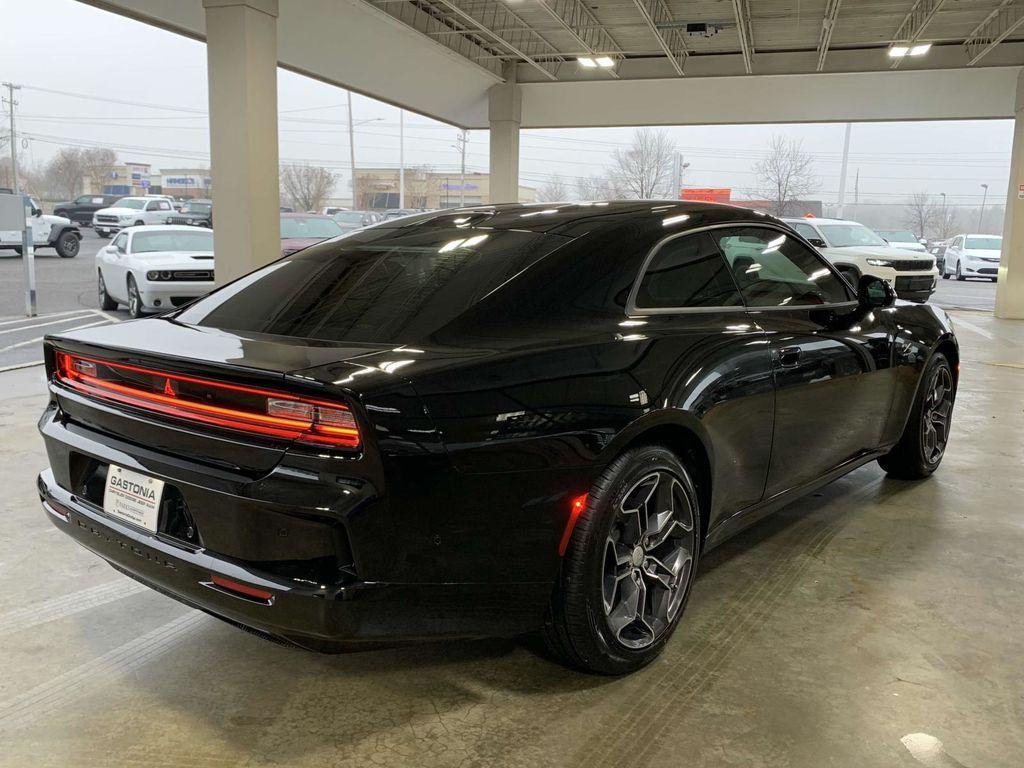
column 64, row 173
column 920, row 214
column 307, row 186
column 553, row 191
column 644, row 170
column 785, row 174
column 96, row 166
column 947, row 221
column 597, row 188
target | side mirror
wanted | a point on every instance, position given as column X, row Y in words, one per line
column 817, row 242
column 37, row 212
column 873, row 292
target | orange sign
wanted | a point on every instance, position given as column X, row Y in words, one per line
column 706, row 195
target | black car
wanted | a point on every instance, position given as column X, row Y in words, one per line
column 194, row 213
column 938, row 250
column 487, row 421
column 81, row 209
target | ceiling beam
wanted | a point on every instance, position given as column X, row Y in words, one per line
column 741, row 9
column 487, row 16
column 576, row 19
column 828, row 25
column 998, row 26
column 659, row 18
column 909, row 32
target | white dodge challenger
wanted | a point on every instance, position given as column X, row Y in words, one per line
column 155, row 268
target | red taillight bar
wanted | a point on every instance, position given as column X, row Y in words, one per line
column 243, row 589
column 319, row 422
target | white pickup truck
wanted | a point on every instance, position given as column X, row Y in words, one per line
column 131, row 212
column 47, row 232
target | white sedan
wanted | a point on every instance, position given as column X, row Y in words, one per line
column 155, row 268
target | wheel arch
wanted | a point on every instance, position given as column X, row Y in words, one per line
column 947, row 346
column 689, row 442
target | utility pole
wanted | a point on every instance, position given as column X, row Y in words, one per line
column 352, row 153
column 401, row 158
column 981, row 213
column 11, row 104
column 942, row 225
column 856, row 188
column 462, row 140
column 677, row 175
column 842, row 171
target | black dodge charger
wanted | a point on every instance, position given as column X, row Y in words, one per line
column 487, row 421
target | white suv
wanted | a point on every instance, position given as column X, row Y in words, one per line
column 130, row 212
column 973, row 256
column 856, row 250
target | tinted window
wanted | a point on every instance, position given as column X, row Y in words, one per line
column 806, row 231
column 308, row 226
column 687, row 272
column 172, row 240
column 775, row 270
column 377, row 286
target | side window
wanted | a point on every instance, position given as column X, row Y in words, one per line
column 151, row 206
column 121, row 242
column 163, row 205
column 687, row 272
column 775, row 270
column 84, row 199
column 806, row 231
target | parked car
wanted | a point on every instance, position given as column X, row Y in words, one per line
column 398, row 213
column 350, row 221
column 938, row 251
column 300, row 230
column 55, row 232
column 856, row 250
column 130, row 212
column 973, row 256
column 194, row 213
column 154, row 268
column 486, row 423
column 81, row 209
column 902, row 238
column 331, row 210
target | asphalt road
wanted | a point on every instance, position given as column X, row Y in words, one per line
column 66, row 298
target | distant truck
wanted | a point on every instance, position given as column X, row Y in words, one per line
column 81, row 209
column 55, row 232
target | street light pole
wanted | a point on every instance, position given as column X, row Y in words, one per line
column 981, row 213
column 944, row 224
column 11, row 88
column 842, row 169
column 401, row 158
column 462, row 176
column 352, row 153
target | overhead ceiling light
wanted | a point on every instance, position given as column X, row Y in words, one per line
column 920, row 50
column 587, row 62
column 898, row 51
column 607, row 62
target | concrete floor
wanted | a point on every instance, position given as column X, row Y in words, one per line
column 858, row 628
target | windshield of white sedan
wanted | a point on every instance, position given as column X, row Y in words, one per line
column 376, row 286
column 130, row 202
column 849, row 235
column 985, row 243
column 300, row 227
column 171, row 240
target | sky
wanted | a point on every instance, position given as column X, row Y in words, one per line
column 93, row 78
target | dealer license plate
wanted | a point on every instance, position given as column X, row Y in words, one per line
column 133, row 497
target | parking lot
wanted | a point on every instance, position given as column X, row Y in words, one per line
column 66, row 299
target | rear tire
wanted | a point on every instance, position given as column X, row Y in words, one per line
column 923, row 443
column 106, row 302
column 629, row 567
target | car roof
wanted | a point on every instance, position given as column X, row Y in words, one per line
column 165, row 228
column 818, row 220
column 296, row 215
column 550, row 217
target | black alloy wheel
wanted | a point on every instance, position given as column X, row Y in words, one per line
column 629, row 567
column 926, row 435
column 67, row 245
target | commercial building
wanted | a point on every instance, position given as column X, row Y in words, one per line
column 378, row 189
column 183, row 182
column 127, row 178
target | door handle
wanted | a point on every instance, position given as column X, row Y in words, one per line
column 789, row 356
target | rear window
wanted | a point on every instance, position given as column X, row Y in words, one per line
column 376, row 286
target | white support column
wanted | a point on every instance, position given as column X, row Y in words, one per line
column 241, row 55
column 505, row 113
column 1010, row 290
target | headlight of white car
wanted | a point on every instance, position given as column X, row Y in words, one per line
column 879, row 262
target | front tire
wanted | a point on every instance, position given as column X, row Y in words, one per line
column 134, row 299
column 959, row 274
column 923, row 443
column 629, row 567
column 67, row 245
